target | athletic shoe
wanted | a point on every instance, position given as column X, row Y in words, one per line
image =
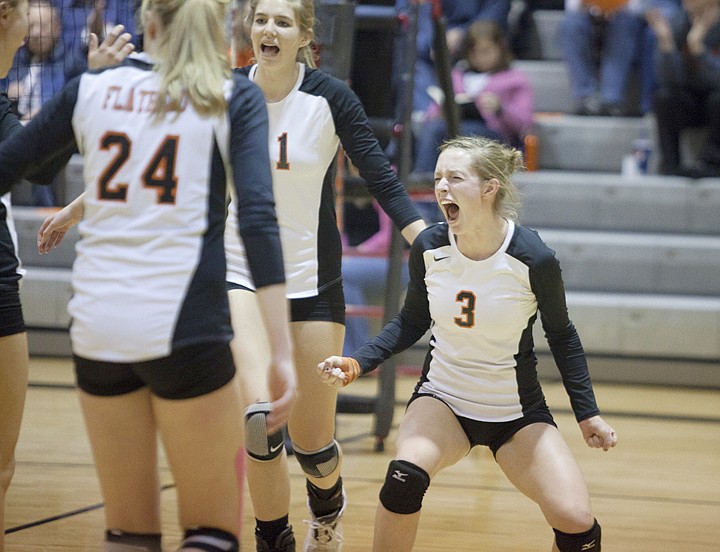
column 325, row 532
column 284, row 543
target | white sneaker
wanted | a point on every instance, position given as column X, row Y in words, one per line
column 325, row 533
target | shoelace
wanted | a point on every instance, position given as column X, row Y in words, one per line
column 324, row 532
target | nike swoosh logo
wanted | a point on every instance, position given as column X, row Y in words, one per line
column 442, row 258
column 273, row 449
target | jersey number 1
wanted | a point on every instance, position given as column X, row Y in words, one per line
column 282, row 163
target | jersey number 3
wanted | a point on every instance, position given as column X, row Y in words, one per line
column 467, row 302
column 159, row 173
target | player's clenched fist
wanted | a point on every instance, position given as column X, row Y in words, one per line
column 339, row 371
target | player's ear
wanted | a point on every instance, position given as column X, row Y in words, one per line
column 306, row 39
column 490, row 187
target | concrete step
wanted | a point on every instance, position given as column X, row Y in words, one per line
column 610, row 202
column 546, row 23
column 575, row 143
column 45, row 293
column 645, row 325
column 637, row 263
column 550, row 83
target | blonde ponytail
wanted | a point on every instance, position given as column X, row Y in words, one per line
column 192, row 56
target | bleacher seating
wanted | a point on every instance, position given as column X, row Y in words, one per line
column 640, row 255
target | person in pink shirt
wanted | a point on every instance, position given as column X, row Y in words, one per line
column 495, row 100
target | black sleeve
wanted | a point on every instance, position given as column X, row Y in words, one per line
column 8, row 120
column 363, row 149
column 407, row 327
column 39, row 150
column 547, row 284
column 253, row 183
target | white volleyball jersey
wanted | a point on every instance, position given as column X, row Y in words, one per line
column 306, row 128
column 480, row 313
column 149, row 274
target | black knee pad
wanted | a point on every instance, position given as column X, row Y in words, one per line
column 404, row 487
column 121, row 541
column 210, row 539
column 319, row 463
column 258, row 443
column 589, row 541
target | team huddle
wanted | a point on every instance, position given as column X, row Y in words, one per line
column 209, row 215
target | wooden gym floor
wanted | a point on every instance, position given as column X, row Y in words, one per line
column 659, row 490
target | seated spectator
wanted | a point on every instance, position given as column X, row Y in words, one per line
column 523, row 29
column 496, row 100
column 459, row 15
column 599, row 45
column 82, row 17
column 647, row 49
column 40, row 71
column 689, row 84
column 40, row 68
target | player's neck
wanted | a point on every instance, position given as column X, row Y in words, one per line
column 483, row 243
column 276, row 82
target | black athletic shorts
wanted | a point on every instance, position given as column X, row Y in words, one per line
column 328, row 306
column 11, row 316
column 188, row 372
column 496, row 434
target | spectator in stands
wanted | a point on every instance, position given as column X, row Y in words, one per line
column 496, row 100
column 80, row 18
column 647, row 50
column 41, row 70
column 523, row 28
column 459, row 15
column 689, row 84
column 599, row 40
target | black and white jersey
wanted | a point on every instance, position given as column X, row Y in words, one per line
column 481, row 313
column 306, row 128
column 9, row 264
column 149, row 274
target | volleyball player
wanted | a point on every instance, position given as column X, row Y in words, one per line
column 13, row 337
column 151, row 325
column 478, row 283
column 311, row 114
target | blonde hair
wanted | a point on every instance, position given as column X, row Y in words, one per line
column 192, row 56
column 305, row 17
column 492, row 159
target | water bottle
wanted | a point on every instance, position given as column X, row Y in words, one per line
column 642, row 151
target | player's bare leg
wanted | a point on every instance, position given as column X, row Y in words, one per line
column 13, row 384
column 429, row 439
column 312, row 430
column 268, row 480
column 539, row 463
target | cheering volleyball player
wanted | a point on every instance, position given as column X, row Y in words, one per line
column 478, row 283
column 311, row 114
column 151, row 325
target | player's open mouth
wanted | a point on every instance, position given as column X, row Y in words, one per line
column 269, row 49
column 451, row 210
